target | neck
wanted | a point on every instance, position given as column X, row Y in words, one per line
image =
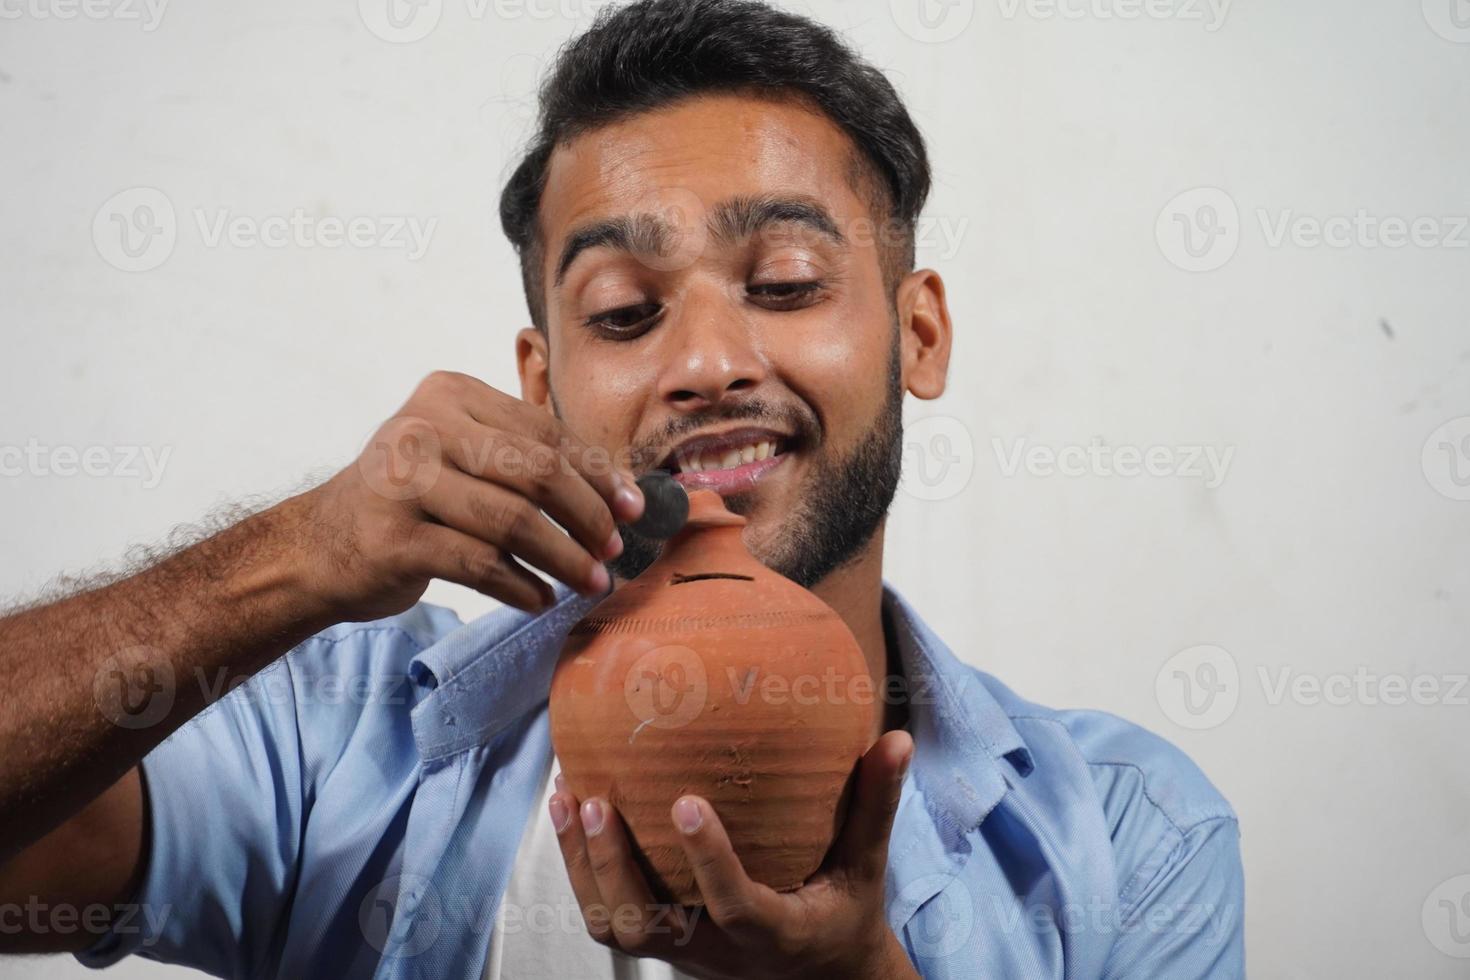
column 855, row 591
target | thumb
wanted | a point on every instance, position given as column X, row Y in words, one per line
column 862, row 848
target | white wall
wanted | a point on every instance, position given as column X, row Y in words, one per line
column 1335, row 542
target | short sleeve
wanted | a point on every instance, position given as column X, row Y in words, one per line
column 1186, row 922
column 225, row 814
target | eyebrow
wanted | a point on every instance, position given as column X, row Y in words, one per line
column 729, row 221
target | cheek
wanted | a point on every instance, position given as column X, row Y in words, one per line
column 840, row 367
column 599, row 394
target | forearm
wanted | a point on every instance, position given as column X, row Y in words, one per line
column 95, row 681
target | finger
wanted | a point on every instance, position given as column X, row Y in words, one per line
column 442, row 552
column 736, row 904
column 570, row 838
column 619, row 879
column 513, row 524
column 500, row 411
column 861, row 850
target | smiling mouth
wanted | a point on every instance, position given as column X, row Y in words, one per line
column 727, row 462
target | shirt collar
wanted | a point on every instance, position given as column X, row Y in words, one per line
column 485, row 675
column 967, row 750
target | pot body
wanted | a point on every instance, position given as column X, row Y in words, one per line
column 712, row 675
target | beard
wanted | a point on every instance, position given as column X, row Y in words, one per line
column 839, row 506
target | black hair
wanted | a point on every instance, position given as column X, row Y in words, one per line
column 651, row 53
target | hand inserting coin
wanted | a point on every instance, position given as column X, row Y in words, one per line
column 665, row 505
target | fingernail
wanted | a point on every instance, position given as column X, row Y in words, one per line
column 629, row 500
column 560, row 815
column 687, row 815
column 561, row 783
column 597, row 580
column 592, row 817
column 614, row 546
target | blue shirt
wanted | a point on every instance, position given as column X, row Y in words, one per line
column 354, row 811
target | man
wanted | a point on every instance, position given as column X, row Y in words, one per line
column 715, row 226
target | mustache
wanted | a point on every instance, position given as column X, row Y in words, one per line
column 800, row 421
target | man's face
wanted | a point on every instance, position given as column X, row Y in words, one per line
column 716, row 306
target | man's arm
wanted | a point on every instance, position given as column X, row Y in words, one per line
column 453, row 487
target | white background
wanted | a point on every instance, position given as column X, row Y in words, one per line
column 1060, row 136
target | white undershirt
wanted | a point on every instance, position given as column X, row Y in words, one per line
column 538, row 933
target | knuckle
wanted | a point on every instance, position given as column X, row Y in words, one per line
column 734, row 914
column 634, row 942
column 599, row 924
column 481, row 566
column 602, row 863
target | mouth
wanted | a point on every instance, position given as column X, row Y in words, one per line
column 727, row 462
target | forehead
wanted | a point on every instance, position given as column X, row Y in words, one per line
column 708, row 148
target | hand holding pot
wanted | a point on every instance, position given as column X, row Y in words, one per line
column 834, row 925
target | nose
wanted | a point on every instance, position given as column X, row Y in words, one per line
column 716, row 358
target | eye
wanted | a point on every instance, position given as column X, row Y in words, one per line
column 787, row 295
column 625, row 322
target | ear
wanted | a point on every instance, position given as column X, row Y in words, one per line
column 534, row 366
column 923, row 322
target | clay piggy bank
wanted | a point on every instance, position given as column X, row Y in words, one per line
column 712, row 675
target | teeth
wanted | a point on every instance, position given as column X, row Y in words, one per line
column 729, row 459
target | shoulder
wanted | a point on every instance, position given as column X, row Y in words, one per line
column 388, row 643
column 1097, row 776
column 1126, row 763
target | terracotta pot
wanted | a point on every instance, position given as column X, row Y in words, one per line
column 712, row 675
